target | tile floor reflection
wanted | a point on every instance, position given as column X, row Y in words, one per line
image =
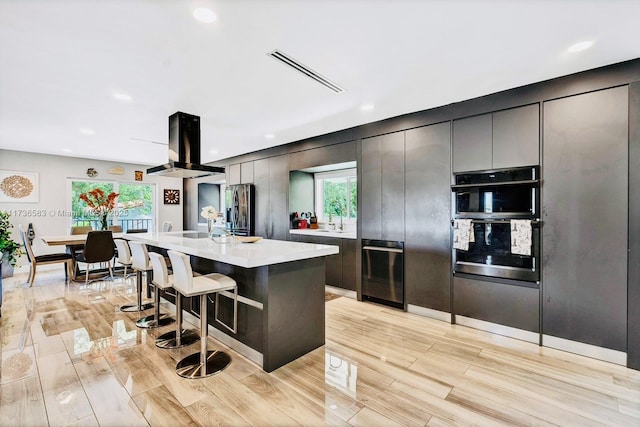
column 70, row 357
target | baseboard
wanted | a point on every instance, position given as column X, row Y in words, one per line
column 588, row 350
column 429, row 312
column 342, row 292
column 507, row 331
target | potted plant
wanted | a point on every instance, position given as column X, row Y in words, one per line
column 9, row 249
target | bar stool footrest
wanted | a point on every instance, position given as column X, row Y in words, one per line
column 130, row 308
column 169, row 340
column 190, row 366
column 151, row 322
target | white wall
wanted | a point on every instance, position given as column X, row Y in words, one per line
column 53, row 173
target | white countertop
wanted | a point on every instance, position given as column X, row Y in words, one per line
column 248, row 255
column 324, row 233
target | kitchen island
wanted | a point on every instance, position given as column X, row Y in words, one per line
column 280, row 286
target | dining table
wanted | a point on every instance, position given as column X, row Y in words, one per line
column 73, row 242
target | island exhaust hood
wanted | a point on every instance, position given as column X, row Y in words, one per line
column 184, row 150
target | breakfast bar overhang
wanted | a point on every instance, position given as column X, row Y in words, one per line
column 281, row 292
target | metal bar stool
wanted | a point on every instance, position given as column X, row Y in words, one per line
column 139, row 266
column 141, row 262
column 161, row 279
column 206, row 362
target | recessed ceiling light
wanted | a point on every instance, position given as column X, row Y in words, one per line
column 269, row 136
column 580, row 46
column 367, row 107
column 205, row 15
column 67, row 150
column 86, row 131
column 122, row 96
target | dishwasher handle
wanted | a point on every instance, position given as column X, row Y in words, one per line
column 381, row 249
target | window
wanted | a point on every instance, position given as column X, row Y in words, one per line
column 136, row 204
column 337, row 195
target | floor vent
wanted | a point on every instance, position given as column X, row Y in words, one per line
column 287, row 60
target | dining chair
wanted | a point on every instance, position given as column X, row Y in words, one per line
column 81, row 229
column 76, row 250
column 99, row 247
column 36, row 260
column 137, row 230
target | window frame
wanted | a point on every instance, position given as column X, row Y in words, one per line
column 116, row 185
column 351, row 177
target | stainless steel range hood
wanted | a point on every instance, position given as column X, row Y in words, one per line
column 184, row 150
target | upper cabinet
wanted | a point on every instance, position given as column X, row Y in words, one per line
column 233, row 174
column 240, row 173
column 504, row 139
column 382, row 210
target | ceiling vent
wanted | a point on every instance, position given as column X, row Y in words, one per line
column 287, row 60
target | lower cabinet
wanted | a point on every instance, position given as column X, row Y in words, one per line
column 500, row 303
column 340, row 269
column 349, row 263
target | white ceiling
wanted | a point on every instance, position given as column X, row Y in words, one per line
column 61, row 61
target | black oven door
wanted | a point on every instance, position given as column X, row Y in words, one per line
column 507, row 193
column 490, row 253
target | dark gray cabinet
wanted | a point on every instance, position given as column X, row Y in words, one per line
column 503, row 304
column 261, row 185
column 516, row 137
column 382, row 210
column 472, row 141
column 427, row 247
column 349, row 263
column 279, row 197
column 585, row 217
column 503, row 139
column 271, row 181
column 340, row 268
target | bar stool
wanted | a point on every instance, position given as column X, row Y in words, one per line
column 161, row 278
column 139, row 264
column 204, row 363
column 140, row 258
column 123, row 256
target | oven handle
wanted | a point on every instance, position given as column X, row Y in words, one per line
column 495, row 184
column 497, row 221
column 381, row 249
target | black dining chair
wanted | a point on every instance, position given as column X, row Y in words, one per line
column 99, row 247
column 137, row 230
column 36, row 260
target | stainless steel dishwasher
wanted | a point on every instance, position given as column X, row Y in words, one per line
column 383, row 272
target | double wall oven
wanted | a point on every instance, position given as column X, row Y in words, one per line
column 489, row 201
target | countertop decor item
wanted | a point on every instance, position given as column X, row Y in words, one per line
column 100, row 203
column 210, row 214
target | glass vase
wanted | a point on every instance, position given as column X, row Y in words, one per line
column 103, row 223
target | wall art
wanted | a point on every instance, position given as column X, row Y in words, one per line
column 171, row 197
column 18, row 187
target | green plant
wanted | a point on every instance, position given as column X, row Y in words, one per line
column 7, row 245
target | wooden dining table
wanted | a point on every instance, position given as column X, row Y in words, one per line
column 72, row 242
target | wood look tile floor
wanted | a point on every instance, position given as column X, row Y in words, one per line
column 70, row 357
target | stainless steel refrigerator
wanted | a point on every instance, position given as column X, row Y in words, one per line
column 241, row 209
